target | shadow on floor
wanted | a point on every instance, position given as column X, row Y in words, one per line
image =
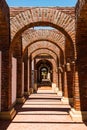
column 19, row 108
column 5, row 123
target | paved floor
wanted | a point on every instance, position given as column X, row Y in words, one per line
column 42, row 111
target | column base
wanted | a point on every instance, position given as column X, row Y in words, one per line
column 8, row 115
column 65, row 100
column 71, row 101
column 59, row 93
column 78, row 116
column 31, row 90
column 54, row 88
column 35, row 87
column 21, row 100
column 27, row 93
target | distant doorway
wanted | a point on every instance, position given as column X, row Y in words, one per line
column 44, row 73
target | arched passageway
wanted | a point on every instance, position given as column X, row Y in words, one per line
column 44, row 73
column 32, row 57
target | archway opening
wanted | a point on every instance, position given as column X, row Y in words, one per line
column 44, row 73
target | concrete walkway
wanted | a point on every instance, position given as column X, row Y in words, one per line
column 43, row 111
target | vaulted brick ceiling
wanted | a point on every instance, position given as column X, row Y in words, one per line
column 55, row 17
column 43, row 45
column 30, row 36
column 41, row 51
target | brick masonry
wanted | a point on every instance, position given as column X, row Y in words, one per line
column 44, row 16
column 66, row 43
column 31, row 35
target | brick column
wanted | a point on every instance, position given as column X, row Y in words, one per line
column 20, row 95
column 7, row 111
column 60, row 81
column 26, row 89
column 76, row 110
column 35, row 81
column 65, row 98
column 70, row 82
column 6, row 81
column 35, row 76
column 79, row 111
column 18, row 55
column 65, row 85
column 26, row 77
column 76, row 91
column 0, row 78
column 60, row 85
column 30, row 75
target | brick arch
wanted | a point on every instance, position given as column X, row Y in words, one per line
column 44, row 44
column 54, row 66
column 30, row 36
column 4, row 25
column 43, row 17
column 46, row 51
column 39, row 40
column 38, row 63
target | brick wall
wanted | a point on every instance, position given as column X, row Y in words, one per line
column 81, row 40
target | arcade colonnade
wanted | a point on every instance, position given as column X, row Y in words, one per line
column 30, row 56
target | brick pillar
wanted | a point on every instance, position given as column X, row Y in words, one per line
column 19, row 78
column 60, row 81
column 7, row 111
column 65, row 85
column 26, row 76
column 30, row 75
column 35, row 76
column 79, row 112
column 60, row 89
column 35, row 80
column 0, row 79
column 18, row 55
column 26, row 89
column 65, row 98
column 76, row 91
column 75, row 112
column 6, row 81
column 54, row 80
column 20, row 95
column 70, row 82
column 73, row 77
